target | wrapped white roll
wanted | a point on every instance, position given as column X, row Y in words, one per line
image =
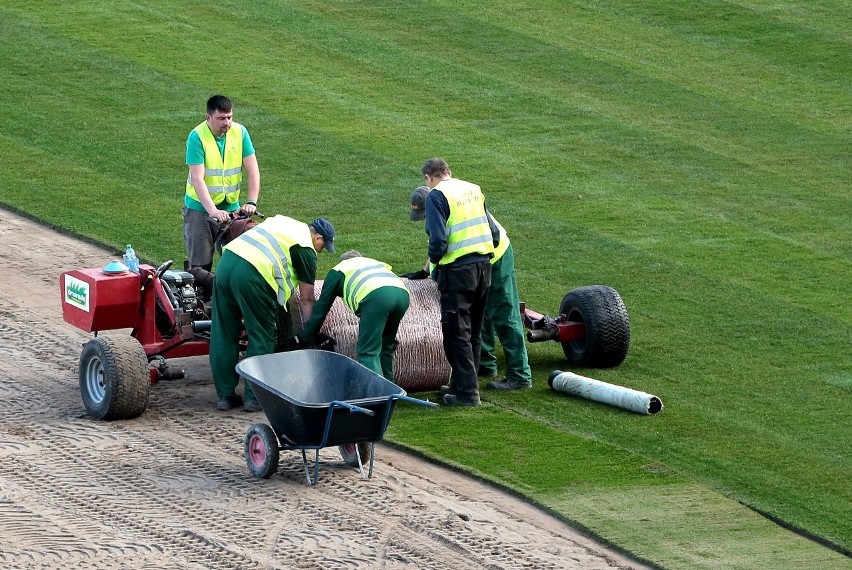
column 612, row 394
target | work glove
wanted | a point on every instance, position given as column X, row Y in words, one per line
column 293, row 343
column 324, row 342
column 415, row 275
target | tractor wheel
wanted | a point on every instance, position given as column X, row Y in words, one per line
column 261, row 451
column 350, row 455
column 607, row 339
column 114, row 378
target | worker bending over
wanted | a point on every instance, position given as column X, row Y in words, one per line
column 255, row 278
column 379, row 298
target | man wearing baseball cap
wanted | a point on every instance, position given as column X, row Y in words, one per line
column 462, row 237
column 502, row 310
column 256, row 276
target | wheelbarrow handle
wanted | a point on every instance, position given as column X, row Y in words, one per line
column 352, row 408
column 426, row 403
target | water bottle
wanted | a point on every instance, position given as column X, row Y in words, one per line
column 130, row 259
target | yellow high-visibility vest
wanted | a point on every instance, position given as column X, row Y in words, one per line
column 362, row 276
column 504, row 242
column 267, row 247
column 222, row 175
column 467, row 226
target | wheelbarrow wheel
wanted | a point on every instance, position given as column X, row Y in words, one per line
column 607, row 339
column 261, row 451
column 114, row 378
column 350, row 451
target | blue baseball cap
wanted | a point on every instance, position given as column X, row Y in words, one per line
column 326, row 230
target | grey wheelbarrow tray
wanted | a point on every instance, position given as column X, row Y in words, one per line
column 315, row 399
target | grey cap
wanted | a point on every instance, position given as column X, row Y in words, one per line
column 418, row 203
column 326, row 230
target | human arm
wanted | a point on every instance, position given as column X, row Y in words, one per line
column 304, row 260
column 307, row 300
column 332, row 288
column 419, row 274
column 495, row 229
column 252, row 174
column 437, row 213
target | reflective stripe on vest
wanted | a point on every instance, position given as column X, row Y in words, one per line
column 362, row 276
column 267, row 247
column 467, row 227
column 222, row 176
column 503, row 245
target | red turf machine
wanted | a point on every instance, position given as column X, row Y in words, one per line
column 164, row 316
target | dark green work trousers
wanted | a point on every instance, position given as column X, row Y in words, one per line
column 380, row 313
column 503, row 317
column 242, row 296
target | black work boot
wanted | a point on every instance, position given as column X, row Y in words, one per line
column 230, row 402
column 252, row 405
column 454, row 400
column 508, row 385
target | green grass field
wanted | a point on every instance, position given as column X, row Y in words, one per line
column 694, row 156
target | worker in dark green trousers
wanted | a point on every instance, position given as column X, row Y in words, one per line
column 379, row 298
column 503, row 320
column 257, row 274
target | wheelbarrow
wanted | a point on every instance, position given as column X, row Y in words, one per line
column 315, row 399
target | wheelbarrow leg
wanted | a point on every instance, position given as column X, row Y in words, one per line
column 358, row 455
column 311, row 482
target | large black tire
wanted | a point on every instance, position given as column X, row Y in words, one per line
column 114, row 378
column 261, row 450
column 350, row 455
column 607, row 339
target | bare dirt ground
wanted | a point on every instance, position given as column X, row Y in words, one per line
column 170, row 489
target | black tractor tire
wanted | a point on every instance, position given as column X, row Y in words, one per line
column 261, row 451
column 607, row 339
column 350, row 451
column 114, row 378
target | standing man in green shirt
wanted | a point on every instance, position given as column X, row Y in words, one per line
column 379, row 298
column 218, row 153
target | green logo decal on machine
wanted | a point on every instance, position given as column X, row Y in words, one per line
column 77, row 293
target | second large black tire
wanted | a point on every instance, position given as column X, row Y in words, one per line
column 114, row 378
column 607, row 339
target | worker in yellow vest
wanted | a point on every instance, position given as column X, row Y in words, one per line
column 502, row 310
column 462, row 238
column 256, row 276
column 379, row 299
column 218, row 153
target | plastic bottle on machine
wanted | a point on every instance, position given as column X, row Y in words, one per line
column 130, row 259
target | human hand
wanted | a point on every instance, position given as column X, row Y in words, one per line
column 249, row 209
column 415, row 275
column 325, row 342
column 293, row 343
column 220, row 216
